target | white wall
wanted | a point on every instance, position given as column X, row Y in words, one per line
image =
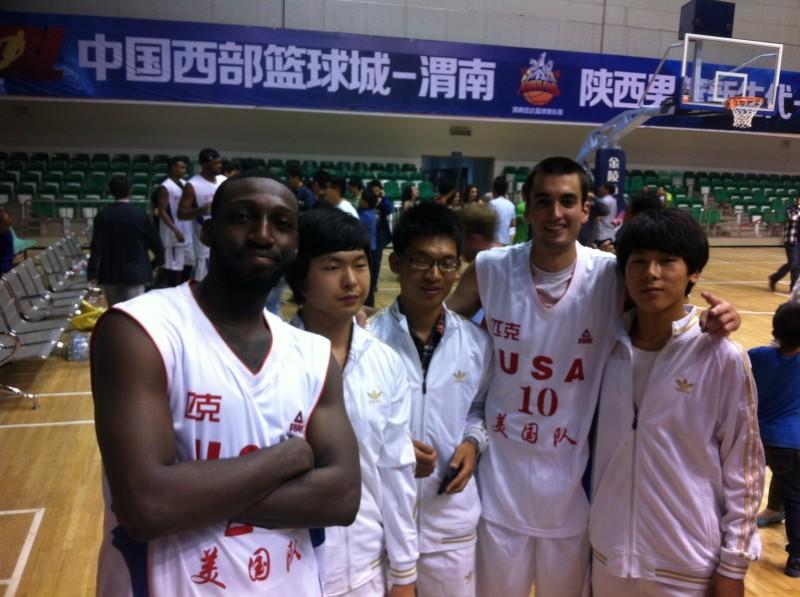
column 628, row 27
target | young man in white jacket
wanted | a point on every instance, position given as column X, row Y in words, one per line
column 330, row 279
column 448, row 362
column 678, row 463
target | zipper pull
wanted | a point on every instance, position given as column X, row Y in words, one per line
column 635, row 420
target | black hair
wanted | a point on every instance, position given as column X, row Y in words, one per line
column 610, row 187
column 294, row 171
column 119, row 186
column 671, row 231
column 219, row 194
column 427, row 220
column 445, row 187
column 557, row 166
column 322, row 178
column 643, row 202
column 408, row 193
column 228, row 165
column 500, row 186
column 174, row 161
column 207, row 155
column 322, row 231
column 374, row 183
column 786, row 326
column 469, row 188
column 338, row 183
column 356, row 182
column 370, row 198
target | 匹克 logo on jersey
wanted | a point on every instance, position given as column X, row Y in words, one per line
column 539, row 82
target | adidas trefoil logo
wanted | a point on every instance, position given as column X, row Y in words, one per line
column 683, row 386
column 374, row 396
column 459, row 376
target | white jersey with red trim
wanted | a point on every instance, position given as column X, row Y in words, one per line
column 542, row 397
column 204, row 191
column 220, row 409
column 174, row 192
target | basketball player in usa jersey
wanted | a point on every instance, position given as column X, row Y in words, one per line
column 222, row 429
column 549, row 305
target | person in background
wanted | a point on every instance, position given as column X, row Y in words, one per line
column 502, row 206
column 334, row 196
column 366, row 213
column 791, row 244
column 472, row 194
column 777, row 373
column 319, row 184
column 605, row 228
column 356, row 186
column 6, row 242
column 230, row 168
column 294, row 177
column 123, row 237
column 446, row 192
column 409, row 197
column 385, row 209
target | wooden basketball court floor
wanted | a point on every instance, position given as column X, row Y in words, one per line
column 51, row 506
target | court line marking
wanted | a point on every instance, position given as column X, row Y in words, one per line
column 25, row 552
column 52, row 424
column 741, row 312
column 58, row 394
column 734, row 282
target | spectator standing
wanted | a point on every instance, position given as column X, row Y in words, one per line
column 504, row 210
column 605, row 230
column 791, row 246
column 777, row 373
column 123, row 235
column 305, row 197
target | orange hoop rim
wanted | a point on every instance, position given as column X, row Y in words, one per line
column 743, row 100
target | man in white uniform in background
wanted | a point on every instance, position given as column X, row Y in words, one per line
column 196, row 204
column 176, row 234
column 503, row 209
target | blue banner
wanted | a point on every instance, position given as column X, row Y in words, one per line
column 610, row 167
column 61, row 56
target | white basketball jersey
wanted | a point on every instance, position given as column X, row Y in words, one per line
column 175, row 191
column 220, row 409
column 542, row 398
column 204, row 193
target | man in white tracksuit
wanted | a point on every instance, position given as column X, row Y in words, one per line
column 448, row 363
column 330, row 279
column 678, row 461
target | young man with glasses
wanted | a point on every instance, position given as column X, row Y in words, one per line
column 448, row 361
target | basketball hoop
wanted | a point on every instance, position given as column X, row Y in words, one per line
column 744, row 109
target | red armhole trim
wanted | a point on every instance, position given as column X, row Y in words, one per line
column 319, row 397
column 144, row 329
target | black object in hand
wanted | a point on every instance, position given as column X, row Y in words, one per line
column 452, row 473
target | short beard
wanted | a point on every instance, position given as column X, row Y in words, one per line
column 235, row 281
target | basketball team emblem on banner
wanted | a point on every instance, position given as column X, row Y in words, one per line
column 539, row 83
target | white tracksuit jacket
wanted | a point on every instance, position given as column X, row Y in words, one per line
column 458, row 376
column 676, row 489
column 378, row 402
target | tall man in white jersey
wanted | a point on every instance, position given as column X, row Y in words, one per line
column 222, row 429
column 196, row 204
column 176, row 235
column 549, row 306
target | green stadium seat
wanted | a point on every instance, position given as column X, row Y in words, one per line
column 96, row 183
column 426, row 191
column 164, row 158
column 51, row 190
column 121, row 157
column 15, row 165
column 80, row 157
column 26, row 192
column 18, row 156
column 344, row 166
column 141, row 158
column 275, row 162
column 360, row 167
column 6, row 192
column 392, row 189
column 408, row 167
column 31, row 177
column 290, row 163
column 58, row 166
column 376, row 167
column 59, row 157
column 327, row 165
column 79, row 165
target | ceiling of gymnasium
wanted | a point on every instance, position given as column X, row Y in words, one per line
column 52, row 125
